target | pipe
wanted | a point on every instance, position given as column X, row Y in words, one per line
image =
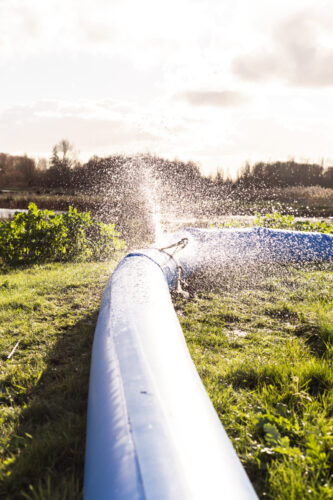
column 152, row 432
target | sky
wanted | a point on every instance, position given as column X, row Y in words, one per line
column 218, row 82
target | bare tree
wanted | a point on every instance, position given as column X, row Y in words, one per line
column 63, row 147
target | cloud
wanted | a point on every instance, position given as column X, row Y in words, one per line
column 298, row 56
column 174, row 78
column 145, row 31
column 270, row 138
column 97, row 32
column 220, row 99
column 37, row 127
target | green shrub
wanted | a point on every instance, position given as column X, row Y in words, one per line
column 274, row 220
column 42, row 236
column 278, row 221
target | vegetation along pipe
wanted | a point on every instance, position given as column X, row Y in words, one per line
column 152, row 432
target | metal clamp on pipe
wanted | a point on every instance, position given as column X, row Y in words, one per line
column 179, row 245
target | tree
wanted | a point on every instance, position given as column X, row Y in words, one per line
column 63, row 148
column 61, row 163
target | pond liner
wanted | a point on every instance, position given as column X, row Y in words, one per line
column 152, row 432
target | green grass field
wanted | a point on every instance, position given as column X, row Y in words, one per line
column 263, row 348
column 51, row 310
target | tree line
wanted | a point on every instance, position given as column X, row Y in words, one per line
column 123, row 173
column 284, row 174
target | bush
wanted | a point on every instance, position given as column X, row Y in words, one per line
column 42, row 236
column 278, row 221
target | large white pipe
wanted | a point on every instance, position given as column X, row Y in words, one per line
column 152, row 432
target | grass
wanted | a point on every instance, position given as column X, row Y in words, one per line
column 312, row 201
column 263, row 347
column 51, row 310
column 264, row 350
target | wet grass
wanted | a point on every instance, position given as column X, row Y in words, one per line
column 51, row 311
column 263, row 347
